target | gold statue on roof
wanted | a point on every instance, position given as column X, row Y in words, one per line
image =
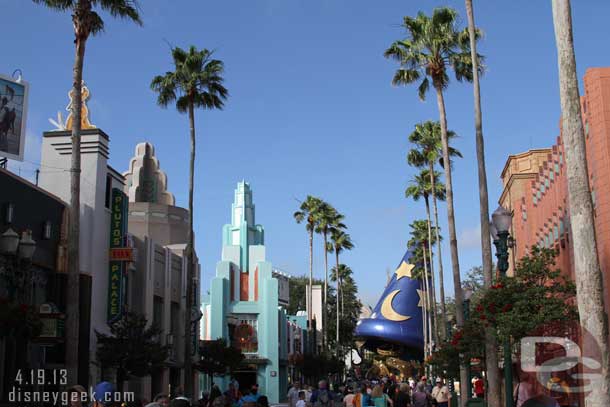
column 84, row 119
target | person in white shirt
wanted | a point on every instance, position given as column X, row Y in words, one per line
column 301, row 402
column 293, row 394
column 524, row 390
column 440, row 393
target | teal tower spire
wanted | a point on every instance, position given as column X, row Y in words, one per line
column 242, row 231
column 243, row 305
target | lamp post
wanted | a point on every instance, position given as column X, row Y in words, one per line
column 501, row 221
column 467, row 292
column 16, row 252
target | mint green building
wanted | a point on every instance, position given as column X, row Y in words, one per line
column 245, row 304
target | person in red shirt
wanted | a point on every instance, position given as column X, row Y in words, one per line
column 479, row 388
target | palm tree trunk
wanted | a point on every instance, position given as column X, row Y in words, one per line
column 491, row 344
column 325, row 313
column 435, row 326
column 441, row 283
column 428, row 302
column 72, row 292
column 310, row 289
column 425, row 317
column 188, row 366
column 338, row 309
column 589, row 280
column 457, row 283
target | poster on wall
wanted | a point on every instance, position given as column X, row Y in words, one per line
column 13, row 110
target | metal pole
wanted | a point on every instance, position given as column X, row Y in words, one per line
column 502, row 254
column 466, row 309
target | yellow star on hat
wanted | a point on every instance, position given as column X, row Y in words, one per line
column 421, row 298
column 404, row 270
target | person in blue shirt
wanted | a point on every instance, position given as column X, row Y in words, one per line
column 250, row 399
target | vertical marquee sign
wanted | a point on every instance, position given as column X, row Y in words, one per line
column 116, row 281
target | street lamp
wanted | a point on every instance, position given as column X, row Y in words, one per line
column 500, row 224
column 16, row 251
column 467, row 295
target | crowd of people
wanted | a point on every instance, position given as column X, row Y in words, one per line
column 104, row 395
column 385, row 392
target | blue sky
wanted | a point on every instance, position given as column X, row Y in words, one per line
column 311, row 110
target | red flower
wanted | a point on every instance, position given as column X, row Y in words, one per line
column 483, row 317
column 492, row 308
column 507, row 307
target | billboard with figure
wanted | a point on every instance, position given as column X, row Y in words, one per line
column 13, row 109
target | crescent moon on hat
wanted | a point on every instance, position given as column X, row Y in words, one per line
column 390, row 313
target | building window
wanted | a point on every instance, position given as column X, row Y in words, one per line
column 593, row 198
column 560, row 158
column 561, row 227
column 158, row 312
column 552, row 175
column 538, row 194
column 524, row 215
column 542, row 188
column 557, row 168
column 546, row 182
column 535, row 200
column 108, row 188
column 245, row 335
column 555, row 233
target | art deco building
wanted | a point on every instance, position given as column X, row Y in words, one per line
column 535, row 186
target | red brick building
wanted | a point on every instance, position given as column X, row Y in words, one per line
column 535, row 186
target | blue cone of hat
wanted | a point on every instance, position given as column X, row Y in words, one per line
column 395, row 325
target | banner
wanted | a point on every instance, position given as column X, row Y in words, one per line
column 116, row 280
column 13, row 110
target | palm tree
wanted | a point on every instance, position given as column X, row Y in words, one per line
column 420, row 234
column 196, row 82
column 589, row 280
column 339, row 277
column 421, row 187
column 327, row 218
column 491, row 345
column 86, row 22
column 340, row 241
column 309, row 212
column 433, row 45
column 429, row 150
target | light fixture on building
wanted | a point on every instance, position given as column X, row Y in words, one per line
column 27, row 245
column 9, row 213
column 9, row 242
column 46, row 230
